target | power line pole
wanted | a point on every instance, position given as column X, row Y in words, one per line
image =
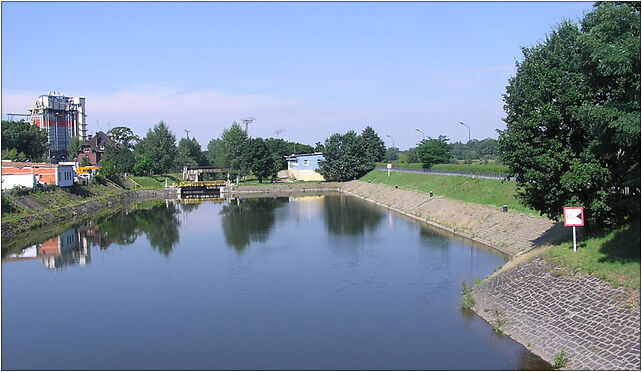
column 247, row 121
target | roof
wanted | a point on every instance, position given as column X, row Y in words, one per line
column 293, row 156
column 100, row 139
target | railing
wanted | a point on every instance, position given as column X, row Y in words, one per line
column 201, row 183
column 485, row 175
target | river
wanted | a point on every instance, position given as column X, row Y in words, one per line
column 315, row 282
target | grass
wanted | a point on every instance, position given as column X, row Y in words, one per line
column 559, row 360
column 156, row 181
column 490, row 167
column 614, row 257
column 493, row 193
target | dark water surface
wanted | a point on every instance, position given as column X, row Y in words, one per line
column 327, row 282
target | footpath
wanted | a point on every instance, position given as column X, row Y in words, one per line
column 543, row 306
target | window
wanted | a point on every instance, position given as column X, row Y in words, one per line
column 306, row 163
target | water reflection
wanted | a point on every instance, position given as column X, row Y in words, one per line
column 249, row 220
column 350, row 216
column 158, row 220
column 65, row 250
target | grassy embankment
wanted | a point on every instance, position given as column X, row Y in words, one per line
column 475, row 167
column 493, row 193
column 614, row 256
column 16, row 207
column 156, row 181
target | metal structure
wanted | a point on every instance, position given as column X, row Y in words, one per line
column 466, row 125
column 247, row 121
column 62, row 117
column 12, row 117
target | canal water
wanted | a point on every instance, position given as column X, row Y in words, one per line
column 316, row 282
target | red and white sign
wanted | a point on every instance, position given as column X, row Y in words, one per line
column 573, row 216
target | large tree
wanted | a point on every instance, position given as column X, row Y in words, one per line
column 189, row 153
column 73, row 147
column 233, row 141
column 116, row 160
column 345, row 158
column 433, row 151
column 375, row 149
column 124, row 136
column 24, row 138
column 155, row 153
column 572, row 134
column 258, row 159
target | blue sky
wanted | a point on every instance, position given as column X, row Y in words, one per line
column 310, row 69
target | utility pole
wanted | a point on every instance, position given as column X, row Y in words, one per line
column 278, row 131
column 187, row 133
column 247, row 121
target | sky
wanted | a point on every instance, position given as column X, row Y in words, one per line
column 304, row 70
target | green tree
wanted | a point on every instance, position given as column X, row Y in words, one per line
column 73, row 147
column 117, row 160
column 433, row 151
column 258, row 159
column 13, row 154
column 84, row 162
column 392, row 154
column 215, row 152
column 344, row 158
column 25, row 138
column 375, row 149
column 155, row 153
column 189, row 153
column 572, row 134
column 124, row 136
column 233, row 141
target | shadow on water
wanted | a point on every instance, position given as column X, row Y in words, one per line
column 350, row 216
column 249, row 220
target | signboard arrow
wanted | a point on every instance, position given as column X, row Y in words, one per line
column 574, row 216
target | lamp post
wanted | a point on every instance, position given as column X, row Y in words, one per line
column 422, row 133
column 393, row 140
column 466, row 125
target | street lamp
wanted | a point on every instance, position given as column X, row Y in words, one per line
column 466, row 125
column 466, row 150
column 422, row 133
column 393, row 140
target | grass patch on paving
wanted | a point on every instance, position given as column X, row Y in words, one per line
column 614, row 257
column 493, row 193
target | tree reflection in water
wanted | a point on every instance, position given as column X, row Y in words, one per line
column 158, row 220
column 249, row 220
column 350, row 216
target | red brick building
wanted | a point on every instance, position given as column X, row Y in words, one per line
column 94, row 147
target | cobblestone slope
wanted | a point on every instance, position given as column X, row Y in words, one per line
column 548, row 308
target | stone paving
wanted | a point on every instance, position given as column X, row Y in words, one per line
column 548, row 308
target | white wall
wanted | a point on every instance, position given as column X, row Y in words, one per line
column 11, row 180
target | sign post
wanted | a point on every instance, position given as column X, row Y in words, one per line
column 389, row 166
column 574, row 216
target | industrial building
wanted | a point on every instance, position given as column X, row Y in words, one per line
column 62, row 117
column 30, row 174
